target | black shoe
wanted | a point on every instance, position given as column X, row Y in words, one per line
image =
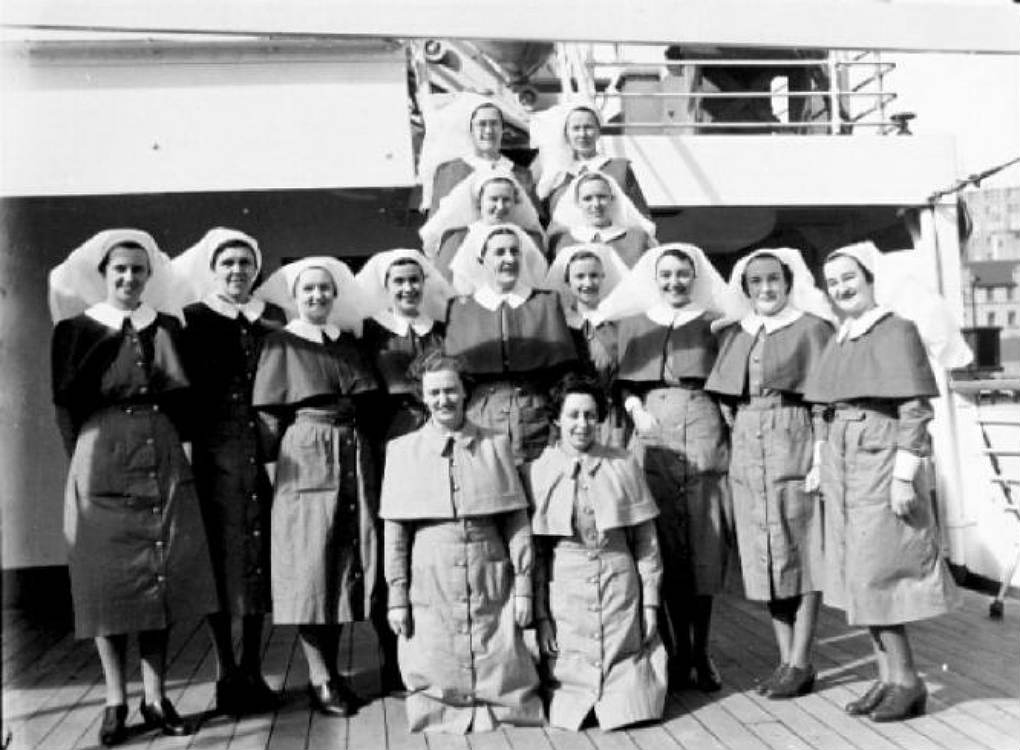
column 164, row 716
column 345, row 691
column 793, row 682
column 867, row 702
column 230, row 695
column 113, row 730
column 259, row 697
column 392, row 682
column 765, row 685
column 901, row 702
column 706, row 676
column 326, row 700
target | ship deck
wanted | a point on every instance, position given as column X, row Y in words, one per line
column 53, row 693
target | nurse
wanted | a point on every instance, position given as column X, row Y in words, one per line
column 221, row 344
column 883, row 566
column 137, row 550
column 512, row 337
column 598, row 572
column 759, row 377
column 584, row 275
column 596, row 210
column 567, row 137
column 459, row 567
column 310, row 391
column 667, row 350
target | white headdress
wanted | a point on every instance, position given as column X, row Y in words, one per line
column 468, row 272
column 348, row 308
column 447, row 135
column 639, row 291
column 372, row 282
column 804, row 295
column 898, row 288
column 549, row 135
column 194, row 265
column 77, row 284
column 460, row 208
column 623, row 212
column 612, row 266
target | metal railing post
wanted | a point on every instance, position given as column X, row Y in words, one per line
column 834, row 118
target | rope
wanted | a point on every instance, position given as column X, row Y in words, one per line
column 974, row 179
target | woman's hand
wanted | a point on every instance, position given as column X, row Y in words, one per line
column 547, row 638
column 813, row 479
column 902, row 498
column 650, row 623
column 522, row 611
column 399, row 619
column 644, row 422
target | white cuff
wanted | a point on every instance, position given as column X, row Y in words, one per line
column 632, row 403
column 816, row 453
column 906, row 465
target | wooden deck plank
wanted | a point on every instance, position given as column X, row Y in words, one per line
column 526, row 738
column 722, row 723
column 614, row 740
column 397, row 735
column 253, row 732
column 290, row 727
column 496, row 740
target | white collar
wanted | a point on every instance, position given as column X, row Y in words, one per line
column 753, row 322
column 490, row 299
column 141, row 317
column 313, row 331
column 667, row 315
column 854, row 328
column 605, row 234
column 576, row 318
column 252, row 309
column 591, row 164
column 478, row 163
column 400, row 324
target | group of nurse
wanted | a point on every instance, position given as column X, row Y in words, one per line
column 463, row 443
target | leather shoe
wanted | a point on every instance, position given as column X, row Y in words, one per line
column 706, row 676
column 392, row 681
column 259, row 697
column 113, row 730
column 901, row 702
column 793, row 682
column 327, row 700
column 230, row 695
column 164, row 716
column 867, row 702
column 765, row 685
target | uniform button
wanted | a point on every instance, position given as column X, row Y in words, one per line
column 352, row 506
column 251, row 423
column 155, row 407
column 589, row 510
column 595, row 636
column 757, row 435
column 458, row 563
column 161, row 579
column 254, row 496
column 593, row 608
column 464, row 629
column 757, row 359
column 144, row 389
column 152, row 475
column 129, row 410
column 140, row 363
column 258, row 571
column 593, row 555
column 155, row 510
column 251, row 459
column 466, row 666
column 150, row 441
column 356, row 574
column 256, row 533
column 462, row 598
column 159, row 542
column 597, row 664
column 593, row 579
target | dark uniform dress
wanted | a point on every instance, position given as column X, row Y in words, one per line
column 779, row 526
column 451, row 173
column 323, row 545
column 619, row 169
column 220, row 355
column 138, row 555
column 880, row 568
column 686, row 457
column 514, row 355
column 630, row 244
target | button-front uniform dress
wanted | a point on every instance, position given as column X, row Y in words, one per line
column 138, row 555
column 221, row 345
column 665, row 358
column 458, row 550
column 760, row 373
column 514, row 346
column 629, row 243
column 323, row 547
column 598, row 567
column 617, row 167
column 875, row 378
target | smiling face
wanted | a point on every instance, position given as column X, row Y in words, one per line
column 502, row 259
column 234, row 269
column 674, row 276
column 766, row 285
column 595, row 199
column 497, row 199
column 315, row 292
column 585, row 276
column 404, row 282
column 582, row 133
column 443, row 394
column 852, row 293
column 487, row 130
column 126, row 272
column 578, row 421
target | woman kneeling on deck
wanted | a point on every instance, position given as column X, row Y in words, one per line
column 458, row 560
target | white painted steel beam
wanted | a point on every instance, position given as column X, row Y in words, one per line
column 830, row 24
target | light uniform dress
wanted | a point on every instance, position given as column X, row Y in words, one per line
column 514, row 347
column 323, row 533
column 686, row 457
column 760, row 373
column 875, row 378
column 137, row 549
column 598, row 567
column 221, row 345
column 458, row 549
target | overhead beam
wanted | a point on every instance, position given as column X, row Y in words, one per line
column 835, row 24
